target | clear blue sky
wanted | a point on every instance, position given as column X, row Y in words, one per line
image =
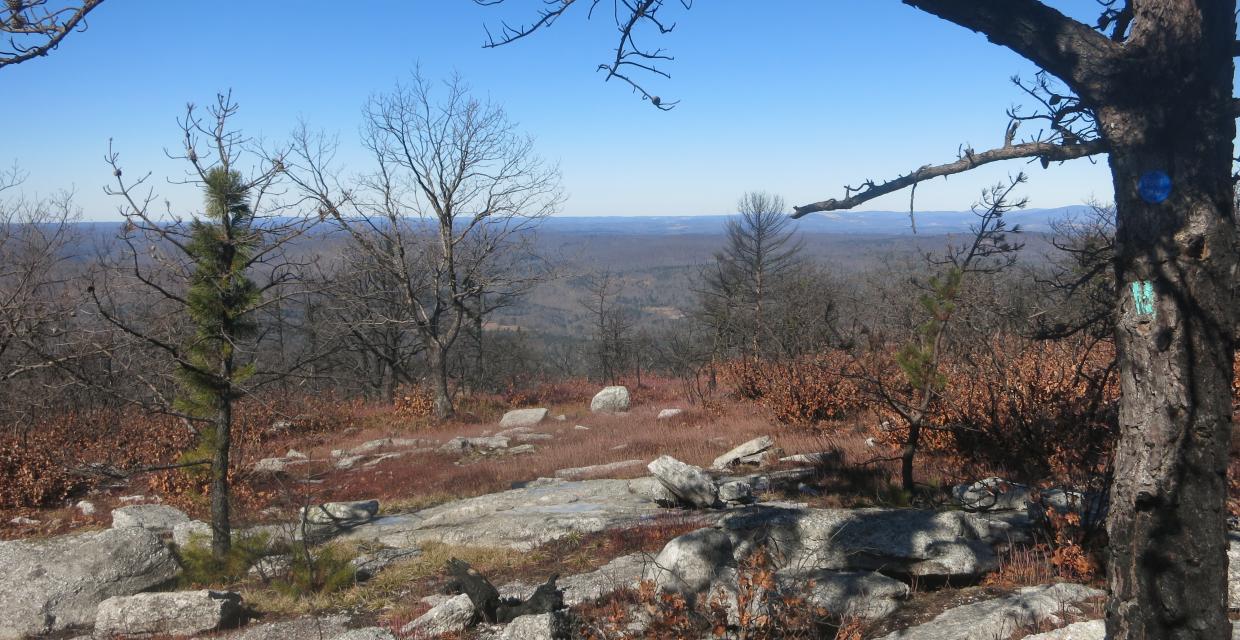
column 798, row 98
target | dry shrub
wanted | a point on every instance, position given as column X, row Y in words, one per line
column 414, row 402
column 801, row 392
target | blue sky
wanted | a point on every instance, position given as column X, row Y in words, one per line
column 798, row 98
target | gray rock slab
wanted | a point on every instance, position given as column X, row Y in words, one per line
column 544, row 626
column 668, row 413
column 577, row 473
column 57, row 583
column 304, row 628
column 341, row 513
column 689, row 483
column 999, row 617
column 368, row 633
column 152, row 517
column 859, row 594
column 750, row 448
column 518, row 519
column 178, row 613
column 1088, row 630
column 894, row 541
column 522, row 418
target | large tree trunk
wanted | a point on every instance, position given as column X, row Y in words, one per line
column 438, row 362
column 221, row 526
column 1177, row 278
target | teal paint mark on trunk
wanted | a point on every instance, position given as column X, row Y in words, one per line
column 1143, row 297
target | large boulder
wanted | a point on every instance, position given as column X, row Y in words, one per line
column 688, row 564
column 544, row 626
column 610, row 400
column 522, row 418
column 51, row 585
column 1000, row 617
column 179, row 613
column 992, row 494
column 689, row 483
column 852, row 594
column 748, row 451
column 152, row 517
column 893, row 541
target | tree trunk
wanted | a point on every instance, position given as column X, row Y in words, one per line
column 907, row 455
column 1176, row 272
column 439, row 381
column 221, row 526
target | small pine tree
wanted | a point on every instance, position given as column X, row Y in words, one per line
column 220, row 300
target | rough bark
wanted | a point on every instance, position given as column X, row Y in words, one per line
column 1167, row 524
column 438, row 362
column 221, row 527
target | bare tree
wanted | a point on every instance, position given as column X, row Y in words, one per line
column 33, row 28
column 611, row 325
column 1150, row 85
column 448, row 211
column 761, row 249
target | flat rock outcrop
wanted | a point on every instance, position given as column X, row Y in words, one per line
column 999, row 617
column 178, row 613
column 56, row 584
column 690, row 563
column 153, row 517
column 519, row 519
column 855, row 594
column 894, row 541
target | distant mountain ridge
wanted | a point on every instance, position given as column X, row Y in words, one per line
column 844, row 222
column 874, row 223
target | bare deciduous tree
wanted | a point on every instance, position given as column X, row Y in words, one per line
column 447, row 212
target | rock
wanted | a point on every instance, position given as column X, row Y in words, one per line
column 522, row 418
column 610, row 400
column 688, row 564
column 347, row 461
column 654, row 491
column 620, row 573
column 448, row 616
column 274, row 465
column 184, row 533
column 1088, row 630
column 368, row 565
column 897, row 541
column 341, row 514
column 86, row 508
column 544, row 626
column 304, row 628
column 153, row 517
column 620, row 447
column 293, row 454
column 689, row 483
column 999, row 617
column 520, row 519
column 268, row 567
column 599, row 470
column 815, row 459
column 519, row 449
column 179, row 613
column 23, row 521
column 581, row 427
column 1233, row 570
column 53, row 584
column 137, row 499
column 736, row 492
column 669, row 413
column 755, row 446
column 462, row 445
column 370, row 446
column 991, row 494
column 368, row 633
column 534, row 437
column 851, row 594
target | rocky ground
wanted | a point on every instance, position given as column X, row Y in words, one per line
column 644, row 545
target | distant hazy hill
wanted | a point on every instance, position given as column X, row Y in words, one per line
column 864, row 222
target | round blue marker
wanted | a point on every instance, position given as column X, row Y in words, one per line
column 1154, row 186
